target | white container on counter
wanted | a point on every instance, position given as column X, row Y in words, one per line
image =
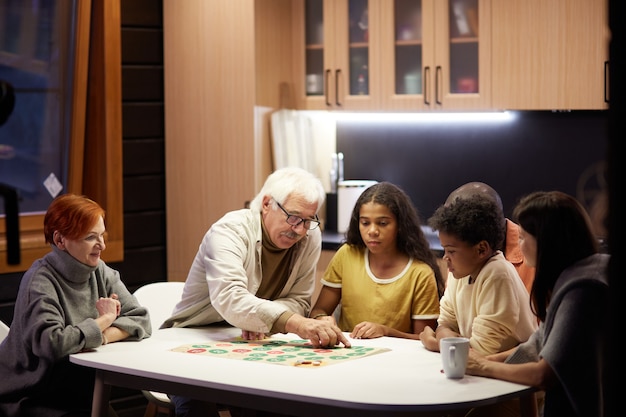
column 348, row 193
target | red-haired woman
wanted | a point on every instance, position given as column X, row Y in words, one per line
column 68, row 301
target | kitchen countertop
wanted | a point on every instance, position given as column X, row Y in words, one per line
column 332, row 240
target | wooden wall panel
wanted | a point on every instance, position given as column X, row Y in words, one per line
column 145, row 229
column 143, row 135
column 144, row 193
column 144, row 13
column 143, row 120
column 210, row 97
column 143, row 266
column 565, row 41
column 143, row 159
column 144, row 156
column 142, row 83
column 142, row 46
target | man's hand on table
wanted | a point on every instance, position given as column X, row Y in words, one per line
column 248, row 335
column 321, row 333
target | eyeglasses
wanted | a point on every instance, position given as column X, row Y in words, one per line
column 294, row 220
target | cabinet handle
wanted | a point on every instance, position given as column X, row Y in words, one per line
column 426, row 85
column 438, row 71
column 326, row 82
column 337, row 72
column 607, row 98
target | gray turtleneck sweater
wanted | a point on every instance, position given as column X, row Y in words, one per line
column 54, row 317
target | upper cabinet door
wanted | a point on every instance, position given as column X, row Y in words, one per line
column 462, row 76
column 550, row 55
column 392, row 54
column 334, row 69
column 436, row 54
column 311, row 23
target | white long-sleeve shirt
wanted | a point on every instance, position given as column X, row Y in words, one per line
column 226, row 274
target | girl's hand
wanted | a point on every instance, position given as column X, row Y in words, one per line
column 429, row 339
column 367, row 330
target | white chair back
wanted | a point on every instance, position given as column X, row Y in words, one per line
column 159, row 298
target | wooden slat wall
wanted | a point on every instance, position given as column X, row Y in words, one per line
column 211, row 158
column 143, row 143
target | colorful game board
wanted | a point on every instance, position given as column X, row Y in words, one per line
column 296, row 352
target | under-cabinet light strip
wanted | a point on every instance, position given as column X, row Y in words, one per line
column 426, row 117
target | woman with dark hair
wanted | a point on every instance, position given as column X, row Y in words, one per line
column 564, row 357
column 385, row 276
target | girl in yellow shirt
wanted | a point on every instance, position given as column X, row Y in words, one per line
column 385, row 277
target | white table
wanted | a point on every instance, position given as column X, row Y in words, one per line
column 405, row 380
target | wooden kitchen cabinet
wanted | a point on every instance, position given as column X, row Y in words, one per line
column 550, row 55
column 336, row 65
column 437, row 54
column 392, row 54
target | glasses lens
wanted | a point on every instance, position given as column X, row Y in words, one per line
column 294, row 220
column 311, row 224
column 308, row 224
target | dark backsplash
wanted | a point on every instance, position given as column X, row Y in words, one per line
column 537, row 151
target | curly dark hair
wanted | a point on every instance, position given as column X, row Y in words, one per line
column 472, row 220
column 410, row 239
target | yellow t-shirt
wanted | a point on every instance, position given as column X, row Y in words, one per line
column 393, row 302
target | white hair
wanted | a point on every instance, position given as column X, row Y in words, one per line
column 289, row 181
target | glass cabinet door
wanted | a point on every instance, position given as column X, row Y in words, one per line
column 314, row 48
column 395, row 54
column 314, row 62
column 357, row 55
column 434, row 54
column 463, row 35
column 337, row 54
column 408, row 47
column 462, row 54
column 358, row 47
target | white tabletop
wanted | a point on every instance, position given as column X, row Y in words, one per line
column 407, row 378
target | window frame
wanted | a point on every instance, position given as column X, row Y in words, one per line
column 95, row 164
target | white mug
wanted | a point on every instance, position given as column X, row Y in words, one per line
column 454, row 352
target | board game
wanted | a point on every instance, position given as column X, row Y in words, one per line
column 296, row 352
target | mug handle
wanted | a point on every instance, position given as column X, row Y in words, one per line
column 452, row 352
